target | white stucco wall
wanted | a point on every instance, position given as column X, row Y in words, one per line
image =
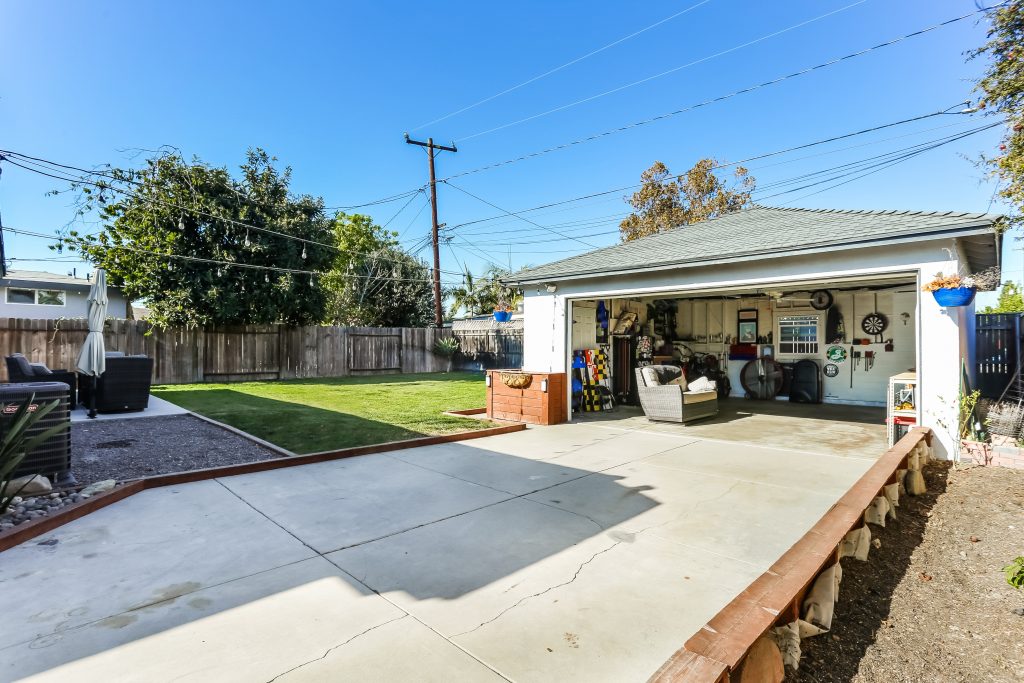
column 944, row 336
column 75, row 306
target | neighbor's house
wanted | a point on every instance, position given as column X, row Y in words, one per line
column 37, row 295
column 761, row 265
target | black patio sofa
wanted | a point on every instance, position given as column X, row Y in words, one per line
column 123, row 387
column 20, row 371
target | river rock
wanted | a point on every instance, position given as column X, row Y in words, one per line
column 98, row 487
column 30, row 485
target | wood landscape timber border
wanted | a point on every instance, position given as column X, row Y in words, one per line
column 720, row 646
column 37, row 527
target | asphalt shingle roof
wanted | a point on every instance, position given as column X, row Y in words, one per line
column 757, row 231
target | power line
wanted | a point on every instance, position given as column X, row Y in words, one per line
column 720, row 98
column 858, row 169
column 198, row 259
column 757, row 157
column 512, row 213
column 659, row 75
column 390, row 220
column 563, row 66
column 108, row 172
column 172, row 205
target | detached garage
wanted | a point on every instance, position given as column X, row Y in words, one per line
column 823, row 309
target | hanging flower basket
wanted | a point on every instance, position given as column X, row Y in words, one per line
column 503, row 316
column 954, row 296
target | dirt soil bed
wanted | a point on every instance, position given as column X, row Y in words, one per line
column 128, row 449
column 932, row 603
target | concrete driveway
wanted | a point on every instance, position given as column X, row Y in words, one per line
column 585, row 552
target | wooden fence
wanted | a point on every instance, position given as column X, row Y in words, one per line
column 997, row 351
column 233, row 354
column 490, row 349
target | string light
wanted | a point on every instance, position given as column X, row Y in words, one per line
column 246, row 238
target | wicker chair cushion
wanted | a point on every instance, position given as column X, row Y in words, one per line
column 650, row 375
column 24, row 367
column 40, row 369
column 690, row 397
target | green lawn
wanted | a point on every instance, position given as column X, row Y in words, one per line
column 306, row 416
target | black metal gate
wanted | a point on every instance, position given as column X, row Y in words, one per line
column 997, row 351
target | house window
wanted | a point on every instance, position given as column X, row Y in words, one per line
column 798, row 335
column 49, row 297
column 41, row 297
column 21, row 296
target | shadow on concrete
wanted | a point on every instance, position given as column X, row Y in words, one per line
column 440, row 522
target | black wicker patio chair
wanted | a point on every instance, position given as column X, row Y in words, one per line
column 20, row 370
column 124, row 386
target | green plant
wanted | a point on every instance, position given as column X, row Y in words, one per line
column 15, row 444
column 446, row 346
column 968, row 402
column 1015, row 573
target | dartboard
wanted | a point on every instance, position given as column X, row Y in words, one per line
column 874, row 323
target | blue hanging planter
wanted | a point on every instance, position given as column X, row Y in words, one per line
column 961, row 296
column 503, row 316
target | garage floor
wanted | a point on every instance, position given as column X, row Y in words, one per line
column 582, row 552
column 824, row 428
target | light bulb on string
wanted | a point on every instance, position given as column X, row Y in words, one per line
column 303, row 252
column 246, row 238
column 266, row 277
column 181, row 222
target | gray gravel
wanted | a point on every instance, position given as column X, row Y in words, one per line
column 128, row 449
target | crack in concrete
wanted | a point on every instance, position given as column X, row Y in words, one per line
column 335, row 647
column 540, row 593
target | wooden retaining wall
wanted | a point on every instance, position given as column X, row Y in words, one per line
column 232, row 354
column 716, row 653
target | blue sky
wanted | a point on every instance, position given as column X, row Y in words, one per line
column 329, row 88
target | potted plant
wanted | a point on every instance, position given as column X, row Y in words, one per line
column 503, row 312
column 959, row 290
column 951, row 290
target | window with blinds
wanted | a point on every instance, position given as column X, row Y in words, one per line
column 798, row 335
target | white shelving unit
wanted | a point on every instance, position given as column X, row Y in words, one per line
column 903, row 390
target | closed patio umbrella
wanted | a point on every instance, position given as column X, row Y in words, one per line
column 92, row 359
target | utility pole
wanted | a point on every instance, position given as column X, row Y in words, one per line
column 3, row 256
column 430, row 147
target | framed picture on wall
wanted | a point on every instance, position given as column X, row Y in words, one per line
column 746, row 332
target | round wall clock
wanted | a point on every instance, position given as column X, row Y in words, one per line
column 831, row 370
column 821, row 299
column 874, row 323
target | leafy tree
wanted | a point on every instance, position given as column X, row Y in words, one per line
column 1002, row 92
column 664, row 201
column 1010, row 300
column 173, row 208
column 373, row 282
column 480, row 296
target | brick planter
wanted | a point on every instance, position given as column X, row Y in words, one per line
column 532, row 403
column 998, row 454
